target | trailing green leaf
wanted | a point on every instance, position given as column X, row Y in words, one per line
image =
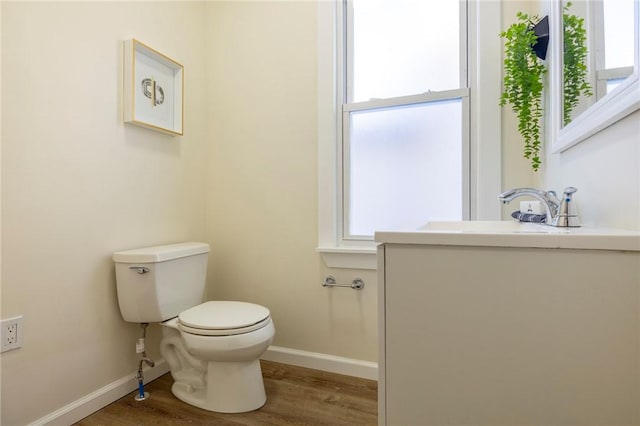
column 523, row 84
column 574, row 63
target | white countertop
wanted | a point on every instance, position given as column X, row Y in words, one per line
column 514, row 234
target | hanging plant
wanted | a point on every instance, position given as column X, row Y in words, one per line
column 523, row 76
column 574, row 63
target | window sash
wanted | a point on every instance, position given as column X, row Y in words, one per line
column 606, row 77
column 424, row 99
column 345, row 63
column 346, row 37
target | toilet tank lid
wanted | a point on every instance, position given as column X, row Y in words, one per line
column 160, row 253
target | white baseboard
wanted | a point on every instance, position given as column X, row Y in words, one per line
column 100, row 398
column 324, row 362
column 81, row 408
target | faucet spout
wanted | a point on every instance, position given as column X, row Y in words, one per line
column 548, row 198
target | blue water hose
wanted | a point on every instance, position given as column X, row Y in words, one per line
column 140, row 388
column 142, row 395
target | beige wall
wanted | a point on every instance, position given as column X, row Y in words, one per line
column 262, row 180
column 78, row 185
column 516, row 170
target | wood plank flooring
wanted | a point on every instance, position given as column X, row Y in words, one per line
column 295, row 396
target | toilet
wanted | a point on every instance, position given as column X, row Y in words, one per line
column 212, row 348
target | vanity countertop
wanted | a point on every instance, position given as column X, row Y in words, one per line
column 514, row 234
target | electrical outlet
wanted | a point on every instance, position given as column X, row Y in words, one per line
column 11, row 333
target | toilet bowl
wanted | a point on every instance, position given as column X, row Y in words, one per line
column 212, row 348
column 213, row 354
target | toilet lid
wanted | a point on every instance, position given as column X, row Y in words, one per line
column 223, row 317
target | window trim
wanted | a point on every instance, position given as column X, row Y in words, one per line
column 484, row 21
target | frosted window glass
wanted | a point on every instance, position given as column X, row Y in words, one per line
column 406, row 167
column 618, row 33
column 404, row 47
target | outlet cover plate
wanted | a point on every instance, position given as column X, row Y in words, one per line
column 11, row 330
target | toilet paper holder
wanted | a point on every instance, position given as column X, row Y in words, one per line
column 356, row 284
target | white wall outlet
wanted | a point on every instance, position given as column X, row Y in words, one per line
column 12, row 331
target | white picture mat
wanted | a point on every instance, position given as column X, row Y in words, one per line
column 161, row 114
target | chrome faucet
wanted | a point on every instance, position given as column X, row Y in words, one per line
column 560, row 213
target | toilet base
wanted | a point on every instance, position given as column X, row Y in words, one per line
column 219, row 373
column 232, row 387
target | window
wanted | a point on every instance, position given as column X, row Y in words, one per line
column 613, row 33
column 402, row 139
column 404, row 114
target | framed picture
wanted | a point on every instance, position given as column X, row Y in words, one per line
column 153, row 89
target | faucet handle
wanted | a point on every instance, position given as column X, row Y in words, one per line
column 568, row 191
column 567, row 213
column 552, row 196
column 566, row 206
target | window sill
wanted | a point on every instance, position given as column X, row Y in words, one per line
column 349, row 257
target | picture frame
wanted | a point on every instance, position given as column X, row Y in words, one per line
column 153, row 89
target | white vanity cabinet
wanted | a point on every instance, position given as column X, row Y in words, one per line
column 504, row 333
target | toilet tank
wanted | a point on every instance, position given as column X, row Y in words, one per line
column 155, row 284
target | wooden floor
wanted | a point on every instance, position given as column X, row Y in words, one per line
column 295, row 396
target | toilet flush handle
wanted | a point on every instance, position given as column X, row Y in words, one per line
column 139, row 269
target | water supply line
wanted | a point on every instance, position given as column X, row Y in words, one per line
column 142, row 395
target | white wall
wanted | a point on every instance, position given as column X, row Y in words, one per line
column 77, row 185
column 606, row 170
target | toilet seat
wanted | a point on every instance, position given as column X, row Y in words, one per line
column 223, row 318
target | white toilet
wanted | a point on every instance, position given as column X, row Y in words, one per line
column 212, row 348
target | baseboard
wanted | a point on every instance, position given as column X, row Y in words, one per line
column 81, row 408
column 324, row 362
column 100, row 398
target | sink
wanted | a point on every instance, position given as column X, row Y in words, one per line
column 493, row 227
column 511, row 233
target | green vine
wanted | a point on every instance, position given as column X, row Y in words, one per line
column 523, row 84
column 574, row 63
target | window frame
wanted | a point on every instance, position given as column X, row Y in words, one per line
column 483, row 21
column 597, row 48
